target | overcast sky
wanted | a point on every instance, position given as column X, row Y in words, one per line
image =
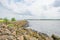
column 34, row 9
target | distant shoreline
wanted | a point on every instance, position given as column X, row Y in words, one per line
column 45, row 19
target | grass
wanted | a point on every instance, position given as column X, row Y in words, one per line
column 10, row 25
column 1, row 20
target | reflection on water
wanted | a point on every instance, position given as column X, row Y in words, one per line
column 46, row 26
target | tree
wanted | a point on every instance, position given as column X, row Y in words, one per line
column 6, row 20
column 13, row 19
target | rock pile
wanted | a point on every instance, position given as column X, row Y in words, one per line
column 12, row 33
column 15, row 33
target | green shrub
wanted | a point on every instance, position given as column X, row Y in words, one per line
column 13, row 19
column 6, row 20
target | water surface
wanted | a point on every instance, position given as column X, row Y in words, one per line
column 46, row 26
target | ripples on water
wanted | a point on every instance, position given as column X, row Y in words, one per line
column 46, row 26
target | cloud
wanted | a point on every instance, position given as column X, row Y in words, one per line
column 5, row 12
column 17, row 0
column 56, row 3
column 38, row 8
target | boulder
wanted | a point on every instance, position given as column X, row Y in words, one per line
column 55, row 37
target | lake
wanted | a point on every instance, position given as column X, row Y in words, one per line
column 45, row 26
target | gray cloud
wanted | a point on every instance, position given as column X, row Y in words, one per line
column 56, row 3
column 5, row 12
column 45, row 8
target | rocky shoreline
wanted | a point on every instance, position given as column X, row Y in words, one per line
column 18, row 30
column 12, row 33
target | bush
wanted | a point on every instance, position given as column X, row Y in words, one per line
column 6, row 20
column 13, row 19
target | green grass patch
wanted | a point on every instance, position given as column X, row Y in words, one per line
column 10, row 25
column 1, row 20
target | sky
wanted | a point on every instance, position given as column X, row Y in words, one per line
column 30, row 9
